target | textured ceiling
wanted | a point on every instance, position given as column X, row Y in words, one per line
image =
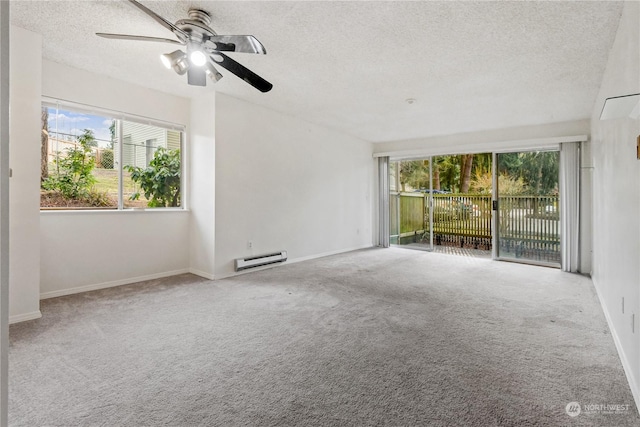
column 351, row 65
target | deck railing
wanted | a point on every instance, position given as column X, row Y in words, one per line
column 528, row 224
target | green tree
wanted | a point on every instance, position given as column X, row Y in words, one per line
column 482, row 163
column 482, row 183
column 448, row 173
column 414, row 173
column 91, row 142
column 452, row 173
column 112, row 133
column 538, row 169
column 74, row 177
column 466, row 165
column 160, row 181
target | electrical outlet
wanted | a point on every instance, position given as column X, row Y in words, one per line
column 622, row 305
column 249, row 244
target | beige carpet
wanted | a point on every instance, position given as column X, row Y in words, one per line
column 375, row 337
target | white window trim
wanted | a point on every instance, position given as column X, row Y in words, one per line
column 129, row 117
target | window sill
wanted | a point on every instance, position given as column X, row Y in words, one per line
column 55, row 211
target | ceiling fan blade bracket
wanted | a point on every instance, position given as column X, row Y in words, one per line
column 212, row 46
column 243, row 44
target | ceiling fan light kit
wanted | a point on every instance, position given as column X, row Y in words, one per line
column 176, row 60
column 196, row 54
column 212, row 72
column 203, row 48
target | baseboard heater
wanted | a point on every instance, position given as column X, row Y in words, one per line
column 260, row 260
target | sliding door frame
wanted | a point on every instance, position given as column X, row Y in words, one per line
column 495, row 208
column 427, row 200
column 383, row 185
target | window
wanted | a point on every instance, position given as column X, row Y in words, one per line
column 102, row 160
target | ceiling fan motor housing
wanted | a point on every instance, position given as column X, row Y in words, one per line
column 197, row 25
column 200, row 15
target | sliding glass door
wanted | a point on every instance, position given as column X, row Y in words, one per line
column 410, row 217
column 442, row 203
column 527, row 207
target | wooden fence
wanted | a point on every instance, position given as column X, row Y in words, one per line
column 58, row 147
column 528, row 225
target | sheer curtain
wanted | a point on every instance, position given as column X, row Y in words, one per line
column 569, row 203
column 383, row 187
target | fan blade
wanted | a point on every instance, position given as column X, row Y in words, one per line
column 138, row 38
column 241, row 71
column 197, row 76
column 183, row 36
column 245, row 44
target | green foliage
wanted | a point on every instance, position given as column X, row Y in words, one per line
column 107, row 159
column 112, row 133
column 99, row 199
column 482, row 163
column 538, row 169
column 449, row 168
column 482, row 183
column 446, row 169
column 527, row 173
column 73, row 177
column 414, row 173
column 160, row 181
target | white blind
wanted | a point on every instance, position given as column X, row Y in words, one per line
column 383, row 186
column 569, row 205
column 89, row 109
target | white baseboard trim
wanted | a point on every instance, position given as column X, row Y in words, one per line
column 201, row 273
column 250, row 270
column 635, row 391
column 24, row 317
column 324, row 254
column 293, row 261
column 114, row 283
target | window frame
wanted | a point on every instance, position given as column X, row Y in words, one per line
column 121, row 117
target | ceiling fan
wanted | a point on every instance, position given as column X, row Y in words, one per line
column 204, row 48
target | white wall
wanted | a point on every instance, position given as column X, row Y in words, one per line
column 616, row 198
column 202, row 185
column 87, row 250
column 71, row 84
column 90, row 250
column 25, row 85
column 586, row 208
column 286, row 184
